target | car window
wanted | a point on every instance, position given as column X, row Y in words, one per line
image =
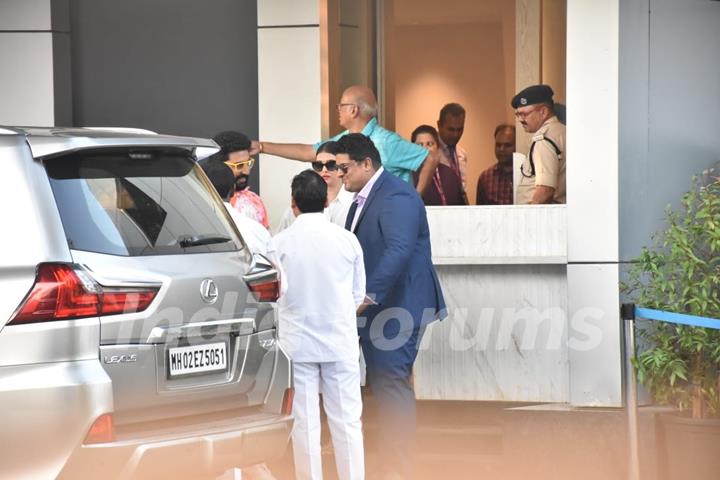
column 136, row 203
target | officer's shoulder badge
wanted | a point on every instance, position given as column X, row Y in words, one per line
column 538, row 138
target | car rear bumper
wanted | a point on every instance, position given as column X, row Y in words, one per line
column 47, row 410
column 255, row 439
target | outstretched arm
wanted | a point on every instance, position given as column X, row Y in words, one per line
column 427, row 170
column 294, row 151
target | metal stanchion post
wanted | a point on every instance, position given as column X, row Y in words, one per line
column 628, row 316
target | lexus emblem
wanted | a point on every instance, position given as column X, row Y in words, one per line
column 208, row 291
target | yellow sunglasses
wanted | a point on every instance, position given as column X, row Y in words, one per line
column 249, row 162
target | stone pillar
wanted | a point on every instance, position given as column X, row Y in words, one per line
column 35, row 87
column 289, row 90
column 593, row 47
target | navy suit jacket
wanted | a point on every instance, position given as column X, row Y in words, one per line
column 395, row 238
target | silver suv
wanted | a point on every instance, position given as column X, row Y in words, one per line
column 137, row 332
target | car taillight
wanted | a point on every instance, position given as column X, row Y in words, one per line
column 263, row 280
column 63, row 292
column 126, row 301
column 101, row 431
column 287, row 402
column 265, row 291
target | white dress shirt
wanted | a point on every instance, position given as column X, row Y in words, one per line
column 258, row 240
column 256, row 237
column 324, row 266
column 336, row 211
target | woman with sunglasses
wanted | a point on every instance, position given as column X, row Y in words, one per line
column 338, row 198
column 445, row 187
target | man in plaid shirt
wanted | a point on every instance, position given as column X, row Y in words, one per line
column 495, row 185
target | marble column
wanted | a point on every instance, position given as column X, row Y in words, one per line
column 35, row 88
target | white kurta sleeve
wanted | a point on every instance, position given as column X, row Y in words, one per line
column 274, row 256
column 358, row 273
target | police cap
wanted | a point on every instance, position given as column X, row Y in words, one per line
column 532, row 96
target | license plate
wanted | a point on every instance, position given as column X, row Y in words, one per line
column 209, row 357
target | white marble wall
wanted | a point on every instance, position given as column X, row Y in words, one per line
column 508, row 234
column 505, row 339
column 524, row 324
column 504, row 276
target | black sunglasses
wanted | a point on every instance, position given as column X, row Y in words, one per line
column 331, row 166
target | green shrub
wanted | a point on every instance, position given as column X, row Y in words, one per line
column 680, row 365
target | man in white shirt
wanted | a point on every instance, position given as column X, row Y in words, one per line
column 318, row 328
column 338, row 198
column 256, row 237
column 258, row 240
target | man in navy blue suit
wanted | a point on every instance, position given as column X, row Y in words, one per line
column 404, row 294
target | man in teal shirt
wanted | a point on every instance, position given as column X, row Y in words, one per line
column 357, row 113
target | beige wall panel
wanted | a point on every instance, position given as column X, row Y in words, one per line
column 527, row 42
column 352, row 12
column 509, row 44
column 443, row 72
column 330, row 70
column 554, row 32
column 288, row 90
column 346, row 53
column 528, row 54
column 355, row 68
column 287, row 12
column 26, row 85
column 386, row 63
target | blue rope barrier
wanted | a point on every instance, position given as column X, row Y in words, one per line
column 680, row 318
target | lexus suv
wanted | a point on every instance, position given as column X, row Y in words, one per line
column 137, row 332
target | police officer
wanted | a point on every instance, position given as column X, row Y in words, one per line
column 542, row 178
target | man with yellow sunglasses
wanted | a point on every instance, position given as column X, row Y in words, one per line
column 234, row 152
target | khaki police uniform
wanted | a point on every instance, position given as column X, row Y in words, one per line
column 549, row 165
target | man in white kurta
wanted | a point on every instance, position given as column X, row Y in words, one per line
column 324, row 267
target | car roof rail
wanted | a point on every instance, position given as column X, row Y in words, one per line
column 122, row 129
column 9, row 131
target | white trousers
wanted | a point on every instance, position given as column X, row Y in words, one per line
column 340, row 386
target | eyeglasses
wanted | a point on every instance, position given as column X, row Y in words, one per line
column 341, row 105
column 343, row 167
column 331, row 166
column 524, row 115
column 249, row 162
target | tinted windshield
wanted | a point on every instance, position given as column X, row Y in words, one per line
column 133, row 203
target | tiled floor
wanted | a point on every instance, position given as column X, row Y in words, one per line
column 475, row 440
